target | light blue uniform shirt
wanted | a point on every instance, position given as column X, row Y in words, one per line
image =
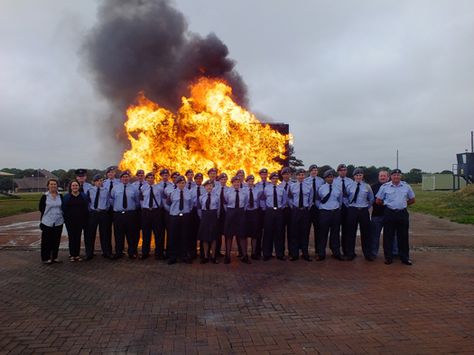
column 196, row 201
column 394, row 196
column 217, row 190
column 104, row 201
column 109, row 182
column 86, row 187
column 319, row 182
column 286, row 186
column 145, row 196
column 335, row 200
column 267, row 196
column 164, row 186
column 116, row 197
column 139, row 184
column 294, row 194
column 347, row 182
column 214, row 201
column 262, row 185
column 53, row 213
column 190, row 185
column 257, row 194
column 230, row 197
column 174, row 198
column 365, row 198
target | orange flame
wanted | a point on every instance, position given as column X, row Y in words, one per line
column 209, row 131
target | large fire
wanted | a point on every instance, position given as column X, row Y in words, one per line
column 209, row 131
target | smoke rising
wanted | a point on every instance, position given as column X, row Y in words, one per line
column 145, row 45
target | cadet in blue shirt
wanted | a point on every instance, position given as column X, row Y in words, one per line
column 314, row 182
column 275, row 199
column 124, row 198
column 150, row 200
column 252, row 223
column 207, row 234
column 300, row 198
column 235, row 201
column 286, row 212
column 81, row 177
column 163, row 215
column 343, row 182
column 361, row 198
column 220, row 188
column 109, row 184
column 197, row 190
column 181, row 202
column 330, row 197
column 99, row 204
column 261, row 186
column 140, row 179
column 189, row 174
column 396, row 195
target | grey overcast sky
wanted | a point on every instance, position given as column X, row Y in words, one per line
column 356, row 80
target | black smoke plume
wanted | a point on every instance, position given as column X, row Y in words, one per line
column 145, row 45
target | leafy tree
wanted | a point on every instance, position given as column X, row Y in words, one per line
column 293, row 162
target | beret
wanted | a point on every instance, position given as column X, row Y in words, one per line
column 286, row 170
column 111, row 168
column 189, row 171
column 180, row 179
column 341, row 166
column 198, row 175
column 80, row 172
column 164, row 171
column 272, row 175
column 175, row 174
column 312, row 166
column 235, row 178
column 329, row 172
column 263, row 171
column 97, row 177
column 123, row 173
column 300, row 171
column 212, row 170
column 149, row 174
column 358, row 171
column 396, row 171
column 250, row 177
column 140, row 171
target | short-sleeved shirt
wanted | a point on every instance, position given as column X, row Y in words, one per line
column 394, row 196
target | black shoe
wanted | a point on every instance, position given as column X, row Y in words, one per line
column 246, row 260
column 307, row 258
column 266, row 258
column 227, row 260
column 293, row 258
column 239, row 255
column 171, row 261
column 282, row 258
column 132, row 256
column 143, row 257
column 219, row 254
column 188, row 260
column 388, row 261
column 159, row 257
column 338, row 257
column 370, row 258
column 350, row 258
column 204, row 261
column 89, row 257
column 214, row 261
column 320, row 258
column 407, row 262
column 255, row 257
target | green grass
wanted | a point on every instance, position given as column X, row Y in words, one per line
column 455, row 206
column 27, row 202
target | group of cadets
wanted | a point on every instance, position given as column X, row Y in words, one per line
column 187, row 215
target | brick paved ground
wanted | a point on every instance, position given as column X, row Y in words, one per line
column 267, row 307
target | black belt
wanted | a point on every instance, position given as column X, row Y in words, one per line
column 98, row 211
column 300, row 208
column 397, row 210
column 125, row 212
column 150, row 209
column 359, row 208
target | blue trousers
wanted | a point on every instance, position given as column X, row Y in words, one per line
column 376, row 226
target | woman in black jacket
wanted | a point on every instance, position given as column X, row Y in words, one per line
column 76, row 212
column 51, row 224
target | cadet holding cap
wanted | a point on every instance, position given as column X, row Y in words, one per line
column 314, row 182
column 330, row 197
column 125, row 200
column 150, row 201
column 286, row 212
column 396, row 195
column 275, row 199
column 361, row 198
column 181, row 203
column 81, row 178
column 343, row 182
column 99, row 204
column 300, row 197
column 235, row 200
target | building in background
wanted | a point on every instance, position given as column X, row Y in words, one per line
column 35, row 183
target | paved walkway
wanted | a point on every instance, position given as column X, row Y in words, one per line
column 273, row 307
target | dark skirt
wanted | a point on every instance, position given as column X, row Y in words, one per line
column 252, row 224
column 234, row 223
column 208, row 227
column 221, row 223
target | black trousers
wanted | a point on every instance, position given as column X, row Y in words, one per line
column 74, row 232
column 261, row 222
column 344, row 234
column 396, row 222
column 150, row 224
column 329, row 225
column 98, row 219
column 163, row 232
column 50, row 239
column 314, row 221
column 286, row 227
column 126, row 226
column 299, row 236
column 178, row 242
column 272, row 236
column 357, row 217
column 193, row 232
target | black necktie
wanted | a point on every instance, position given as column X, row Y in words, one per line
column 111, row 186
column 124, row 201
column 286, row 186
column 198, row 196
column 150, row 203
column 314, row 191
column 300, row 204
column 181, row 200
column 140, row 186
column 326, row 198
column 164, row 186
column 354, row 199
column 237, row 202
column 275, row 197
column 208, row 201
column 251, row 200
column 189, row 185
column 344, row 192
column 96, row 200
column 221, row 204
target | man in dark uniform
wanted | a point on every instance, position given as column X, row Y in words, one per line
column 81, row 178
column 396, row 196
